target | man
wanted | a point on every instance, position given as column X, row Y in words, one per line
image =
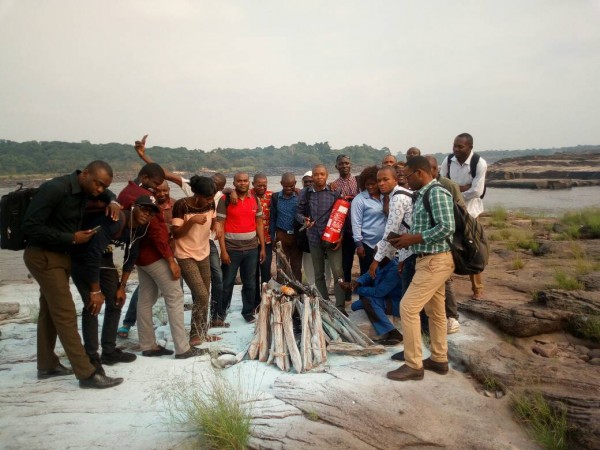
column 458, row 167
column 217, row 312
column 53, row 224
column 157, row 272
column 263, row 270
column 347, row 186
column 427, row 239
column 314, row 207
column 283, row 222
column 453, row 188
column 412, row 152
column 388, row 160
column 94, row 270
column 242, row 244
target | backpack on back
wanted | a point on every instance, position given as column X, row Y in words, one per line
column 12, row 210
column 469, row 244
column 472, row 168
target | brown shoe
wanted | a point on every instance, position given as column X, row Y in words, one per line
column 405, row 373
column 437, row 367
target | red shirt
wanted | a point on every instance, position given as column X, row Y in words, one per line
column 265, row 203
column 155, row 245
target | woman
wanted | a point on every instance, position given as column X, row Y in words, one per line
column 368, row 218
column 191, row 224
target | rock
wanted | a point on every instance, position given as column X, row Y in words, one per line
column 547, row 351
column 594, row 353
column 581, row 349
column 9, row 308
column 574, row 302
column 541, row 250
column 489, row 394
column 594, row 361
column 591, row 281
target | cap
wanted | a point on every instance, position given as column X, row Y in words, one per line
column 307, row 174
column 147, row 200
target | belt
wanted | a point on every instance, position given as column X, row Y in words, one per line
column 286, row 231
column 421, row 255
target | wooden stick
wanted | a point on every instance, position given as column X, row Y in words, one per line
column 319, row 329
column 278, row 333
column 263, row 324
column 288, row 333
column 305, row 344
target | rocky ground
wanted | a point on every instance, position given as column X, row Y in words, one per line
column 513, row 342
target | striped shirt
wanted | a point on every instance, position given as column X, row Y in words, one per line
column 434, row 236
column 347, row 187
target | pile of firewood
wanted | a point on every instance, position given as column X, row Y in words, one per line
column 322, row 327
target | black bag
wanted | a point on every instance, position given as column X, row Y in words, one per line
column 469, row 245
column 12, row 210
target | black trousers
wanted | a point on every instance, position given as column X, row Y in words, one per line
column 109, row 282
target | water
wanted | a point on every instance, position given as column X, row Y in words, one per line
column 530, row 201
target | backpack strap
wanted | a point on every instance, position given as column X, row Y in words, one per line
column 450, row 156
column 473, row 166
column 412, row 197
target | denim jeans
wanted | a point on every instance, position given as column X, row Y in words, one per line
column 247, row 262
column 131, row 314
column 109, row 281
column 263, row 272
column 216, row 284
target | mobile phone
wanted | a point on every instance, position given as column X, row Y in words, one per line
column 96, row 228
column 391, row 235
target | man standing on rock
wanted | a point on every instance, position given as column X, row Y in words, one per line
column 53, row 224
column 468, row 169
column 427, row 239
column 263, row 270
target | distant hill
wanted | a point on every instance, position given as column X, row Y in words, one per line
column 44, row 158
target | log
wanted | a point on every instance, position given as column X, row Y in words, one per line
column 277, row 324
column 347, row 348
column 290, row 338
column 333, row 335
column 305, row 344
column 253, row 347
column 10, row 308
column 319, row 329
column 263, row 324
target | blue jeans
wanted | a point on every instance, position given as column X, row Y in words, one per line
column 263, row 272
column 216, row 285
column 131, row 314
column 247, row 262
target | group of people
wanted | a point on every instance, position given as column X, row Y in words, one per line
column 206, row 238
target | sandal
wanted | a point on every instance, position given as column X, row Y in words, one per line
column 123, row 332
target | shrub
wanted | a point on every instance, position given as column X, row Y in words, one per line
column 518, row 263
column 585, row 221
column 566, row 282
column 586, row 327
column 547, row 425
column 498, row 214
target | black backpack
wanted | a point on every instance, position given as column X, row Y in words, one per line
column 469, row 244
column 12, row 210
column 472, row 168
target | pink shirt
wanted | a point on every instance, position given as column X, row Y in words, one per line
column 195, row 244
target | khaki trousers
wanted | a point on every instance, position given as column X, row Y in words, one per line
column 427, row 290
column 57, row 312
column 476, row 283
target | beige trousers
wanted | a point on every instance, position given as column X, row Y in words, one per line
column 427, row 290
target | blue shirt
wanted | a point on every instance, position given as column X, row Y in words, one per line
column 283, row 213
column 368, row 219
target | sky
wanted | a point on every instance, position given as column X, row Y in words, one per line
column 244, row 74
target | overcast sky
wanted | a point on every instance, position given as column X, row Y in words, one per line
column 208, row 74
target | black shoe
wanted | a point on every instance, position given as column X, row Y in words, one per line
column 58, row 371
column 118, row 356
column 250, row 319
column 392, row 338
column 193, row 351
column 99, row 381
column 398, row 356
column 160, row 351
column 97, row 363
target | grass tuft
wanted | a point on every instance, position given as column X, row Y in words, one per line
column 547, row 425
column 587, row 327
column 498, row 214
column 214, row 408
column 567, row 282
column 518, row 263
column 313, row 415
column 583, row 223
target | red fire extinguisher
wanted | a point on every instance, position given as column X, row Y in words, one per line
column 333, row 230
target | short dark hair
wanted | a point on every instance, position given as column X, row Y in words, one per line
column 260, row 176
column 337, row 159
column 390, row 169
column 468, row 137
column 203, row 186
column 419, row 163
column 368, row 173
column 96, row 165
column 152, row 170
column 218, row 177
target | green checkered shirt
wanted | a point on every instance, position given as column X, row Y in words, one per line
column 434, row 237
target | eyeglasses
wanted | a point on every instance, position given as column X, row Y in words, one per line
column 410, row 174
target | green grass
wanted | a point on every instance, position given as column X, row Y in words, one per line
column 490, row 383
column 547, row 425
column 498, row 214
column 217, row 410
column 312, row 415
column 585, row 221
column 587, row 327
column 518, row 263
column 566, row 281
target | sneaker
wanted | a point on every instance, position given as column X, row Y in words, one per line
column 58, row 371
column 117, row 356
column 437, row 367
column 193, row 351
column 453, row 326
column 406, row 373
column 160, row 351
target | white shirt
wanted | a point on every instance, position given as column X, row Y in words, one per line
column 461, row 174
column 400, row 210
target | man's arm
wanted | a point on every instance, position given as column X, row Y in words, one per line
column 356, row 219
column 140, row 148
column 478, row 183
